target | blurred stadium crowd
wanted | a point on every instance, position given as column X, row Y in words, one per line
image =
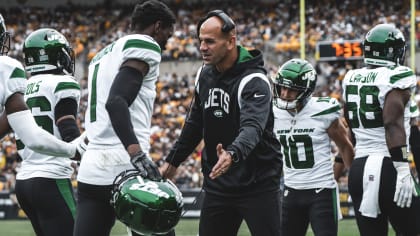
column 270, row 27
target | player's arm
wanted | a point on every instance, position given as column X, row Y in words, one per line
column 65, row 113
column 339, row 134
column 189, row 139
column 167, row 170
column 255, row 101
column 393, row 117
column 338, row 167
column 124, row 91
column 33, row 136
column 4, row 124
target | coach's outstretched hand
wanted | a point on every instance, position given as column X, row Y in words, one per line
column 145, row 166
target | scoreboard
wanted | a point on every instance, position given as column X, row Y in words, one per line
column 339, row 50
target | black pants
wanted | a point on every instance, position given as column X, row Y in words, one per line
column 49, row 205
column 222, row 216
column 315, row 206
column 414, row 141
column 95, row 215
column 403, row 220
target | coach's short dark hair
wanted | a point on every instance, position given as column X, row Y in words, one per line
column 148, row 12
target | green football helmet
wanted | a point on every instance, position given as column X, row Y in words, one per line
column 384, row 45
column 48, row 51
column 4, row 37
column 297, row 74
column 146, row 206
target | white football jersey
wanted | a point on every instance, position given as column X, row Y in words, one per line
column 364, row 91
column 96, row 168
column 42, row 94
column 412, row 114
column 414, row 110
column 306, row 146
column 102, row 71
column 13, row 79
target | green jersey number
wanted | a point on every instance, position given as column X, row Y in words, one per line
column 44, row 105
column 290, row 151
column 369, row 111
column 44, row 121
column 93, row 98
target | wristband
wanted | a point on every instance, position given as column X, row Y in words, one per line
column 399, row 153
column 338, row 159
column 233, row 155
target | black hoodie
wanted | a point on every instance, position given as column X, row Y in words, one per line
column 234, row 108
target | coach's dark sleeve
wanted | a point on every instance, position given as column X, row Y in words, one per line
column 255, row 107
column 190, row 137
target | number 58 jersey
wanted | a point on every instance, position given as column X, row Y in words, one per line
column 305, row 143
column 364, row 91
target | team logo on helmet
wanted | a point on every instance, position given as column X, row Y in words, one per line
column 47, row 50
column 295, row 74
column 146, row 206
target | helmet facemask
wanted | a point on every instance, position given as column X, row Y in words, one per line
column 301, row 99
column 295, row 74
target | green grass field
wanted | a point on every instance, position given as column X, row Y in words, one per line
column 185, row 227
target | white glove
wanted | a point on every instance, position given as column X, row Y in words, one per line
column 404, row 188
column 81, row 143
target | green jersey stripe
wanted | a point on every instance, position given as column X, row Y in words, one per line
column 137, row 43
column 413, row 108
column 334, row 197
column 19, row 145
column 328, row 111
column 66, row 190
column 18, row 73
column 93, row 95
column 66, row 85
column 397, row 77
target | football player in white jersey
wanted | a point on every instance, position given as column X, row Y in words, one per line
column 43, row 185
column 121, row 83
column 376, row 99
column 305, row 126
column 16, row 114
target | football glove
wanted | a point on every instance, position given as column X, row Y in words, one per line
column 405, row 187
column 145, row 166
column 81, row 143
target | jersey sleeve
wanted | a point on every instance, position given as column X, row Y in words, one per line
column 414, row 110
column 144, row 50
column 67, row 87
column 15, row 79
column 347, row 76
column 328, row 110
column 402, row 77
